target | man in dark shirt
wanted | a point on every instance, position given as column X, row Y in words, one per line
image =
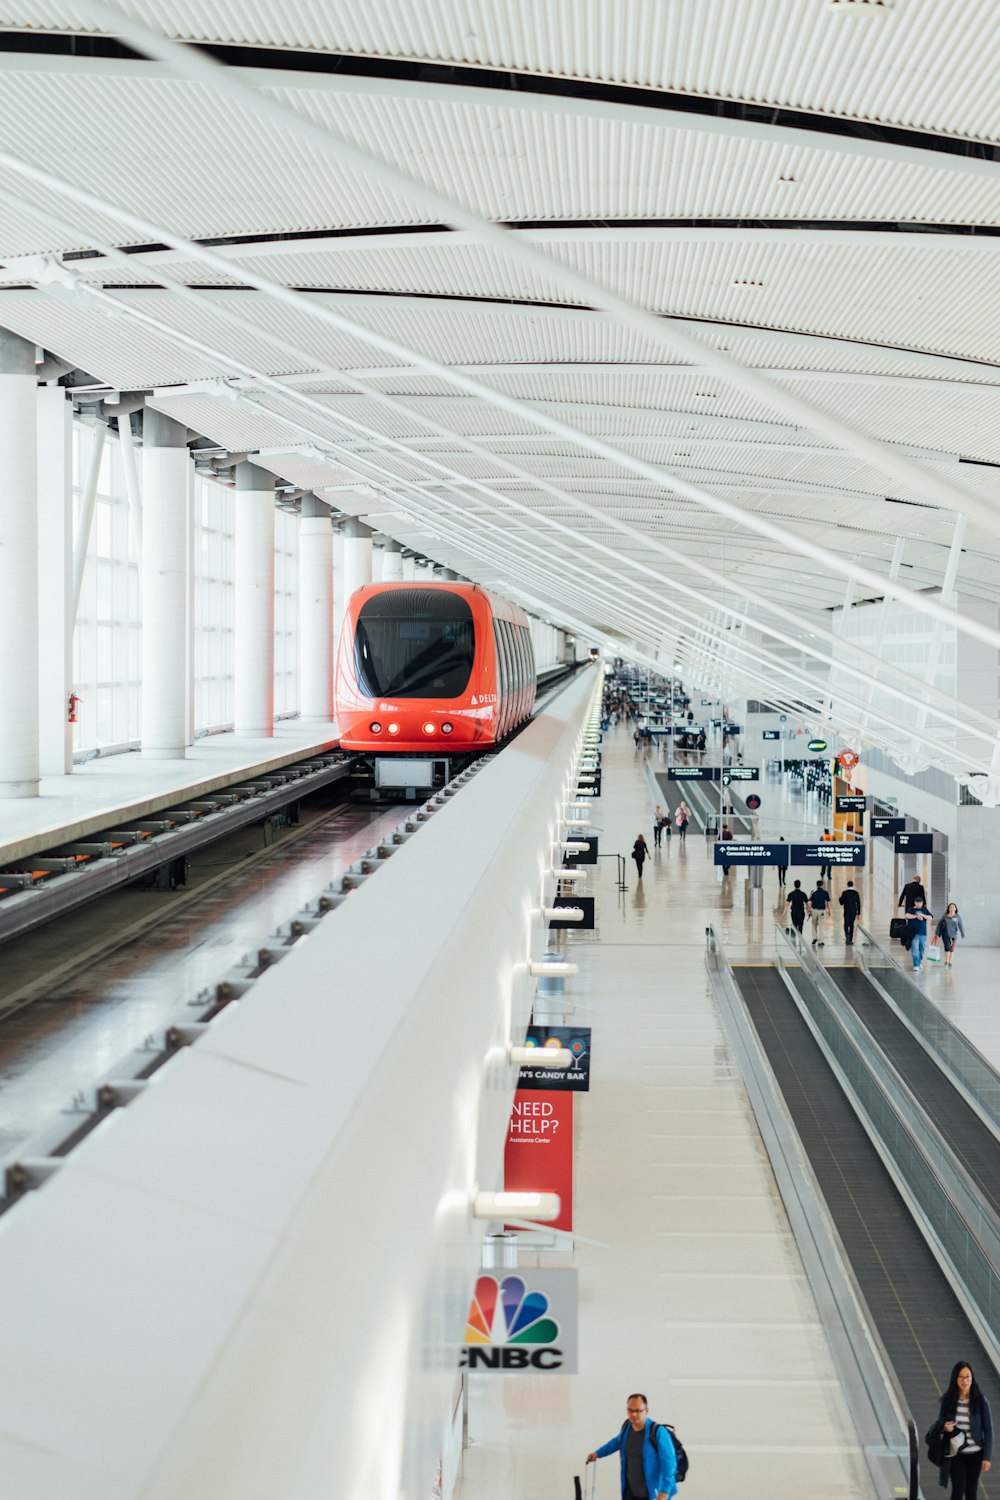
column 912, row 890
column 797, row 902
column 851, row 904
column 819, row 908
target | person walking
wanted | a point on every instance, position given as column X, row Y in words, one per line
column 727, row 837
column 782, row 869
column 683, row 819
column 917, row 920
column 960, row 1439
column 797, row 901
column 648, row 1456
column 825, row 871
column 640, row 852
column 657, row 825
column 908, row 895
column 949, row 930
column 850, row 902
column 819, row 910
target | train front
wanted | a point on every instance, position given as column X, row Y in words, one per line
column 416, row 679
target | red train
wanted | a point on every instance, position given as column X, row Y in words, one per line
column 431, row 669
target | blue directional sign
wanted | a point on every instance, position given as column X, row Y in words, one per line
column 851, row 853
column 885, row 828
column 692, row 773
column 740, row 773
column 914, row 843
column 851, row 802
column 770, row 734
column 743, row 852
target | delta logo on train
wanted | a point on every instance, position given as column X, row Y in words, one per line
column 509, row 1328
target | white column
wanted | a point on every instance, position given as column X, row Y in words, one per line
column 392, row 563
column 254, row 627
column 315, row 611
column 19, row 769
column 357, row 556
column 409, row 568
column 377, row 557
column 164, row 586
column 55, row 580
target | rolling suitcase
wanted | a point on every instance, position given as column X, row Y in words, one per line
column 898, row 928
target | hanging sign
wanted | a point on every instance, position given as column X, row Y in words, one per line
column 572, row 1080
column 914, row 843
column 743, row 852
column 770, row 734
column 740, row 773
column 538, row 1157
column 692, row 773
column 817, row 746
column 828, row 853
column 753, row 802
column 886, row 828
column 523, row 1321
column 848, row 759
column 851, row 802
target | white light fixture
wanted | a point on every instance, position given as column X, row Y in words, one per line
column 540, row 1057
column 574, row 846
column 563, row 913
column 540, row 1207
column 562, row 873
column 553, row 968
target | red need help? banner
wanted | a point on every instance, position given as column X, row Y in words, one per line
column 538, row 1157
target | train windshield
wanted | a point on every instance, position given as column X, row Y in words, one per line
column 414, row 643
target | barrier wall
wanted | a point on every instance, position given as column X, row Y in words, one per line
column 253, row 1280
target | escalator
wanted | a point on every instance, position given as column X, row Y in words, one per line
column 912, row 1304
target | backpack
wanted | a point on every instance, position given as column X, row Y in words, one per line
column 937, row 1445
column 683, row 1463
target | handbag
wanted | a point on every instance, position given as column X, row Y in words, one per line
column 933, row 953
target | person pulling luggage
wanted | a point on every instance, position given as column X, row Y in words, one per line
column 648, row 1456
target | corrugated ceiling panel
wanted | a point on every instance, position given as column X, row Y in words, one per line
column 925, row 63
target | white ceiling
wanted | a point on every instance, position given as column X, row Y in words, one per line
column 826, row 335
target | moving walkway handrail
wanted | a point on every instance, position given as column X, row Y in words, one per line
column 966, row 1229
column 976, row 1077
column 876, row 1401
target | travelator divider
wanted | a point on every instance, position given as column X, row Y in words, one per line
column 886, row 1432
column 962, row 1231
column 974, row 1077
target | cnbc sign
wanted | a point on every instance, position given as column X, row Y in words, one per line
column 523, row 1322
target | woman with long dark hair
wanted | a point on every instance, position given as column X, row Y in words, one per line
column 962, row 1435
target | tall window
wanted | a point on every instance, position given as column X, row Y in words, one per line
column 286, row 623
column 106, row 642
column 214, row 568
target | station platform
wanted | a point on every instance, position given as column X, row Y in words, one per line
column 121, row 787
column 700, row 1299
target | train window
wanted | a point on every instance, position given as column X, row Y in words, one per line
column 503, row 665
column 414, row 643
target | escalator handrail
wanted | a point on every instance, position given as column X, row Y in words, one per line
column 955, row 1181
column 928, row 1011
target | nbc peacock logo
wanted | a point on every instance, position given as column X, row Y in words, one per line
column 510, row 1319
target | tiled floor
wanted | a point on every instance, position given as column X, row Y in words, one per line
column 699, row 1299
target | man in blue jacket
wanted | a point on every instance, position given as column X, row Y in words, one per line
column 649, row 1468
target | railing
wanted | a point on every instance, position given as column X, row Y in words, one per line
column 949, row 1047
column 965, row 1228
column 877, row 1405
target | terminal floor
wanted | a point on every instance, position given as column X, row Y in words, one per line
column 699, row 1298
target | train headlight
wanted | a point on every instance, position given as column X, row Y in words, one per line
column 375, row 727
column 446, row 728
column 430, row 728
column 393, row 728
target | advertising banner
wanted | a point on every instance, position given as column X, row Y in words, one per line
column 573, row 1080
column 523, row 1321
column 538, row 1156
